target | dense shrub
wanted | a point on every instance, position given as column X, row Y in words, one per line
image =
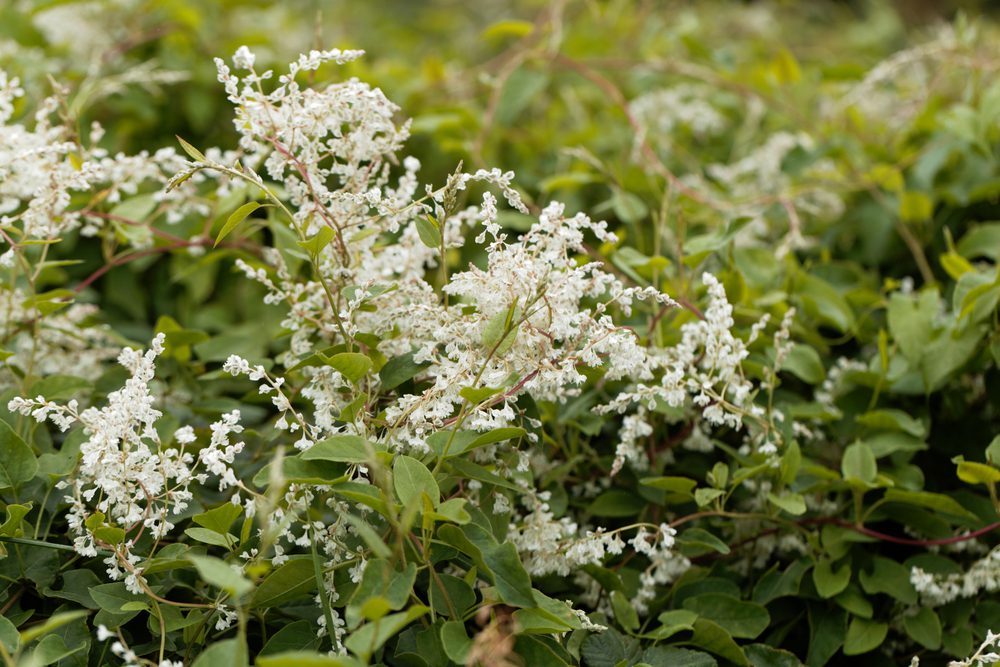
column 712, row 380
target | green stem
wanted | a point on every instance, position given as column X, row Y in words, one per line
column 321, row 587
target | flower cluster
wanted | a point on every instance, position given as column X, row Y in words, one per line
column 938, row 589
column 703, row 372
column 128, row 481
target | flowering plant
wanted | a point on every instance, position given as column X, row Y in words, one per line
column 447, row 419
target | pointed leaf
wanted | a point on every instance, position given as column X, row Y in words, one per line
column 234, row 219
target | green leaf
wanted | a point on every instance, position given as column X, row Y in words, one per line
column 9, row 636
column 15, row 514
column 924, row 628
column 220, row 518
column 823, row 302
column 369, row 535
column 109, row 534
column 76, row 585
column 911, row 319
column 863, row 636
column 450, row 596
column 981, row 241
column 915, row 206
column 889, row 442
column 803, row 361
column 452, row 510
column 398, row 370
column 609, row 649
column 366, row 494
column 737, row 617
column 895, row 420
column 508, row 28
column 343, row 448
column 520, row 88
column 111, row 597
column 381, row 580
column 352, row 365
column 793, row 503
column 221, row 574
column 429, row 231
column 235, row 218
column 702, row 540
column 52, row 649
column 475, row 395
column 672, row 622
column 304, row 659
column 412, row 480
column 541, row 651
column 671, row 656
column 296, row 637
column 293, row 579
column 509, row 576
column 195, row 154
column 17, row 462
column 828, row 581
column 762, row 655
column 465, row 441
column 791, row 462
column 469, row 470
column 948, row 353
column 315, row 244
column 455, row 641
column 889, row 577
column 971, row 472
column 617, row 503
column 680, row 485
column 780, row 582
column 935, row 501
column 572, row 180
column 229, row 652
column 374, row 608
column 61, row 387
column 54, row 622
column 704, row 496
column 854, row 601
column 625, row 613
column 628, row 207
column 714, row 639
column 539, row 622
column 370, row 637
column 827, row 629
column 859, row 463
column 206, row 536
column 500, row 331
column 993, row 451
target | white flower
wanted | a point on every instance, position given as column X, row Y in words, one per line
column 243, row 58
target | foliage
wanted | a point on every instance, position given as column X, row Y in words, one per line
column 356, row 419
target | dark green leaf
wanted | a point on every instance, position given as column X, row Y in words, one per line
column 370, row 637
column 830, row 581
column 398, row 370
column 509, row 576
column 740, row 619
column 863, row 636
column 292, row 579
column 924, row 627
column 17, row 462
